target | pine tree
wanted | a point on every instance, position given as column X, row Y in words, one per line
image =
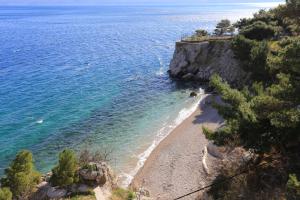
column 21, row 176
column 65, row 173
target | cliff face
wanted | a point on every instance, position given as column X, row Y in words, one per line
column 198, row 61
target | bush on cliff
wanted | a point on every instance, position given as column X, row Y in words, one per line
column 65, row 173
column 5, row 194
column 224, row 27
column 242, row 47
column 258, row 31
column 21, row 176
column 201, row 33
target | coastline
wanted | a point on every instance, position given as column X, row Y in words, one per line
column 175, row 166
column 126, row 178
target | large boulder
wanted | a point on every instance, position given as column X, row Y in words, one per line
column 214, row 151
column 98, row 174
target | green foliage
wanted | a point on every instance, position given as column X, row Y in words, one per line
column 208, row 133
column 293, row 188
column 201, row 33
column 5, row 194
column 86, row 156
column 258, row 31
column 224, row 27
column 65, row 173
column 122, row 194
column 242, row 47
column 264, row 116
column 258, row 61
column 21, row 176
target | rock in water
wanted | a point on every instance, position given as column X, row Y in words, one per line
column 193, row 94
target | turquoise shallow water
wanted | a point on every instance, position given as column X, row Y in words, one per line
column 93, row 77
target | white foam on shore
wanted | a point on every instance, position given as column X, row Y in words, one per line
column 162, row 134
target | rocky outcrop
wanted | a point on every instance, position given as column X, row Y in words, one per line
column 98, row 174
column 93, row 176
column 198, row 61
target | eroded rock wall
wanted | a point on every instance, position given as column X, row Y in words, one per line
column 198, row 61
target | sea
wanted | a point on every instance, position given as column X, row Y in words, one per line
column 95, row 77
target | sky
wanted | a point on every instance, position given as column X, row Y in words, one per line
column 123, row 2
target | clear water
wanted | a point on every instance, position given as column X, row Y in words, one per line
column 93, row 77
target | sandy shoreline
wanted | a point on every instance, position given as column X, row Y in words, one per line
column 175, row 166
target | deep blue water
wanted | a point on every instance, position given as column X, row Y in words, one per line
column 93, row 77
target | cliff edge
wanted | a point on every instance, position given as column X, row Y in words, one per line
column 197, row 61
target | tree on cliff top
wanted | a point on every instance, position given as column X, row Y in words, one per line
column 21, row 176
column 224, row 27
column 65, row 173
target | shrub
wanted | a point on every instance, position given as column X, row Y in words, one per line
column 5, row 194
column 86, row 156
column 258, row 31
column 122, row 194
column 201, row 33
column 293, row 188
column 21, row 176
column 65, row 173
column 242, row 47
column 258, row 63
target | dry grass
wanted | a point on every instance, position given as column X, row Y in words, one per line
column 195, row 38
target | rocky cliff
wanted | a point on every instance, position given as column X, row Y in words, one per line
column 197, row 61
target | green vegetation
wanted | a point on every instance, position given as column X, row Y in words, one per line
column 122, row 194
column 223, row 31
column 5, row 194
column 224, row 27
column 65, row 173
column 264, row 116
column 21, row 176
column 86, row 156
column 81, row 197
column 201, row 33
column 293, row 187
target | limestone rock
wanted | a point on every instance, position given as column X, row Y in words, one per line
column 214, row 151
column 56, row 193
column 98, row 173
column 199, row 61
column 188, row 77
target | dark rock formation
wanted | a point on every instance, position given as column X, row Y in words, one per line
column 193, row 94
column 198, row 61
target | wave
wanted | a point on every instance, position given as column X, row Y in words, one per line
column 160, row 72
column 40, row 121
column 161, row 134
